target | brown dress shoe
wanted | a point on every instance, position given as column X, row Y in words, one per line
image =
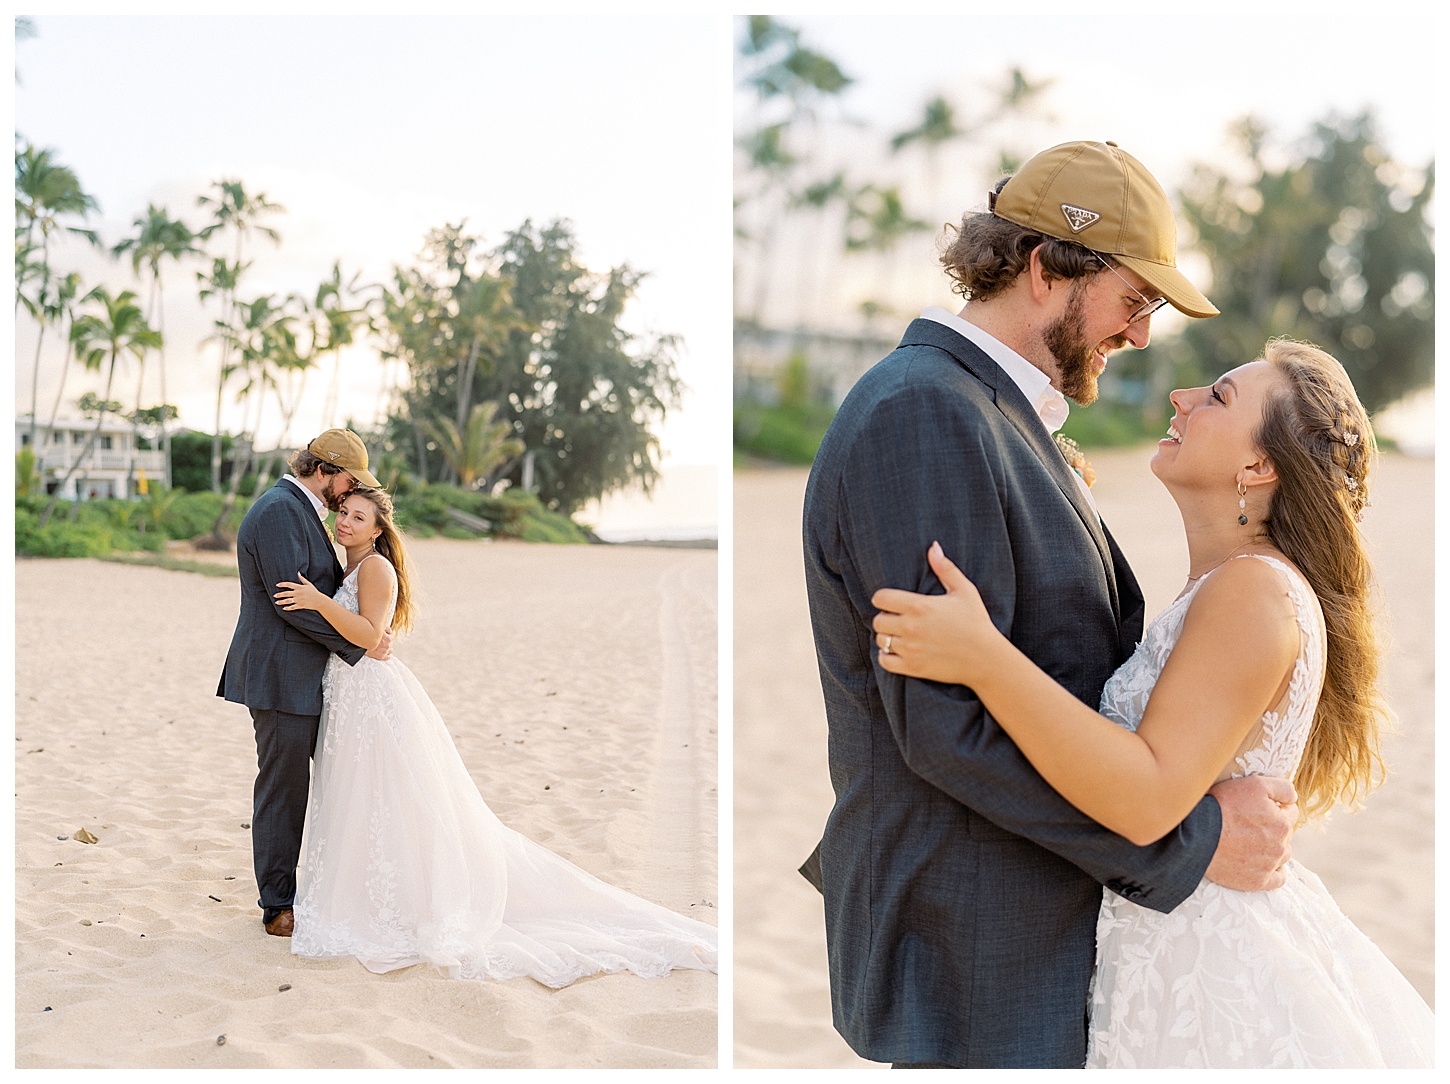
column 281, row 926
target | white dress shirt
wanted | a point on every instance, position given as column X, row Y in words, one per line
column 317, row 505
column 1048, row 403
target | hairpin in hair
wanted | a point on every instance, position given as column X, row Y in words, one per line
column 1350, row 439
column 1351, row 483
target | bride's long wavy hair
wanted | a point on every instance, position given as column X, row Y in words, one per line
column 390, row 545
column 1318, row 436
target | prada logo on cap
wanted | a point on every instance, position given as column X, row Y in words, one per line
column 334, row 454
column 1079, row 218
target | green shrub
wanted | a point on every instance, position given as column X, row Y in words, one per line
column 60, row 537
column 423, row 513
column 791, row 434
column 1107, row 424
column 193, row 514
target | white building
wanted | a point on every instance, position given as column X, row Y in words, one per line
column 104, row 471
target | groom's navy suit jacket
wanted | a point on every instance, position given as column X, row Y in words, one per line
column 961, row 891
column 278, row 656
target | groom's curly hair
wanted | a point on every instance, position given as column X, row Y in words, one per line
column 304, row 464
column 985, row 254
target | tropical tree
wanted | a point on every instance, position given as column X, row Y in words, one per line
column 1335, row 247
column 24, row 28
column 220, row 283
column 335, row 325
column 262, row 344
column 66, row 295
column 290, row 366
column 45, row 193
column 53, row 301
column 46, row 190
column 582, row 394
column 482, row 445
column 236, row 211
column 449, row 320
column 100, row 340
column 28, row 270
column 158, row 237
column 790, row 81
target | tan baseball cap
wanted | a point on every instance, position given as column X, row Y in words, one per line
column 1104, row 199
column 344, row 448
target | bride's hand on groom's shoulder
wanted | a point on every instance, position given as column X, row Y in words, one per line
column 298, row 596
column 936, row 637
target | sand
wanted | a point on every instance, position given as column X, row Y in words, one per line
column 586, row 669
column 1378, row 863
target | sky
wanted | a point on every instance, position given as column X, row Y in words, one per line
column 1166, row 91
column 1164, row 83
column 371, row 130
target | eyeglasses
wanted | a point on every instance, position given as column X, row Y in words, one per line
column 1143, row 311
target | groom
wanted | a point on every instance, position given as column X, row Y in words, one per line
column 277, row 656
column 961, row 891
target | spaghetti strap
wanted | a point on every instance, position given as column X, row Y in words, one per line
column 359, row 565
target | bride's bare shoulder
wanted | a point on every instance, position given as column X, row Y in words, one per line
column 1248, row 600
column 375, row 568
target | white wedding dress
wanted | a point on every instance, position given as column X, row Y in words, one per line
column 404, row 863
column 1246, row 979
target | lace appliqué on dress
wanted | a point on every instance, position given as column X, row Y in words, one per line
column 1246, row 979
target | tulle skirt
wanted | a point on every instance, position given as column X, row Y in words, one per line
column 404, row 863
column 1241, row 980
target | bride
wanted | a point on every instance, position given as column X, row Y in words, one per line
column 403, row 861
column 1265, row 664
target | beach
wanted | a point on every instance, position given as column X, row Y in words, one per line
column 1378, row 863
column 579, row 683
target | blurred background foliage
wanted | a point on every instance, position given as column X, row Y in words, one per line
column 1319, row 235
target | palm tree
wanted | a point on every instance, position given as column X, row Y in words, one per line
column 334, row 326
column 122, row 330
column 482, row 445
column 232, row 209
column 158, row 237
column 261, row 342
column 53, row 302
column 27, row 270
column 292, row 365
column 65, row 295
column 487, row 317
column 24, row 28
column 221, row 283
column 44, row 191
column 876, row 220
column 818, row 196
column 937, row 128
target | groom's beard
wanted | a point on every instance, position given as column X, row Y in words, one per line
column 330, row 496
column 1074, row 355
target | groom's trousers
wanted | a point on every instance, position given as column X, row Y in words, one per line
column 285, row 744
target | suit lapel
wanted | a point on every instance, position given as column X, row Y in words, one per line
column 1017, row 410
column 317, row 524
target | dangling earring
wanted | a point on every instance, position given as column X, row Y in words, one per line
column 1243, row 518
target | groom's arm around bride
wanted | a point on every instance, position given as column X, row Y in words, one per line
column 962, row 891
column 277, row 656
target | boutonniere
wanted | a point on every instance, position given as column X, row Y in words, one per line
column 1075, row 459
